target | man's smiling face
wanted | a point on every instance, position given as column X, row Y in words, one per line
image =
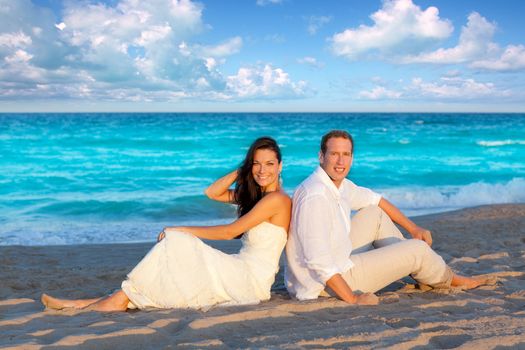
column 337, row 159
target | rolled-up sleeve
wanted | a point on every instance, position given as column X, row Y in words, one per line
column 362, row 197
column 314, row 223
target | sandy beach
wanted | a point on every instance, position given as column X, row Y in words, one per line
column 482, row 240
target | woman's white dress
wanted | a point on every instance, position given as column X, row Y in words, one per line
column 181, row 271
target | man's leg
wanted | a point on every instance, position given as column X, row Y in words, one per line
column 373, row 228
column 377, row 268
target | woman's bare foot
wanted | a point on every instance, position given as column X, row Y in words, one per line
column 472, row 282
column 53, row 303
column 59, row 304
column 118, row 301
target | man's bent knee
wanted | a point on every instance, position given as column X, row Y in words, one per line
column 372, row 210
column 418, row 246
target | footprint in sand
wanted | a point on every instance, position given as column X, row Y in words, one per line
column 449, row 341
column 409, row 323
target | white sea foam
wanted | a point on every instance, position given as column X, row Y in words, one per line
column 422, row 200
column 76, row 232
column 500, row 143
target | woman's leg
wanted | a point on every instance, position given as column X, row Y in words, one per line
column 117, row 301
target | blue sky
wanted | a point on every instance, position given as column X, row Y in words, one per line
column 262, row 55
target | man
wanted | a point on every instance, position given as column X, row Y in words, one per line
column 329, row 254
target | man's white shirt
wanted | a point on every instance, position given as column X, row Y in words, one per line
column 319, row 243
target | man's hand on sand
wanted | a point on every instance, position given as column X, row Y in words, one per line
column 367, row 299
column 422, row 234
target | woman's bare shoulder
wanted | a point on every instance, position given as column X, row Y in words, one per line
column 278, row 197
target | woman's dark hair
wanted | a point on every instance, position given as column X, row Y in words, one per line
column 247, row 192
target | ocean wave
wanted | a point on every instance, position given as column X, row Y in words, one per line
column 421, row 200
column 500, row 143
column 182, row 208
column 64, row 232
column 86, row 223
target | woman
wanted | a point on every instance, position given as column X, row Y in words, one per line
column 181, row 271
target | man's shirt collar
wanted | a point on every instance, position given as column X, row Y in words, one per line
column 325, row 179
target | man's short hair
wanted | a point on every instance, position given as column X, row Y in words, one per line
column 333, row 134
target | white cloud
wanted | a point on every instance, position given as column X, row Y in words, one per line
column 456, row 88
column 211, row 63
column 311, row 61
column 453, row 73
column 447, row 88
column 227, row 48
column 268, row 2
column 512, row 58
column 60, row 26
column 380, row 93
column 264, row 81
column 476, row 49
column 308, row 60
column 152, row 35
column 156, row 27
column 184, row 50
column 130, row 51
column 275, row 38
column 132, row 43
column 474, row 42
column 30, row 49
column 399, row 26
column 15, row 40
column 317, row 22
column 19, row 56
column 37, row 31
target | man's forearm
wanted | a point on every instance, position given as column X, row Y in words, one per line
column 399, row 218
column 396, row 215
column 341, row 288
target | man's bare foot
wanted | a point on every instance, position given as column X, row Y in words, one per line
column 472, row 282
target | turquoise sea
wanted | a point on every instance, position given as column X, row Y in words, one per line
column 97, row 178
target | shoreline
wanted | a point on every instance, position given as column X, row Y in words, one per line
column 228, row 220
column 480, row 240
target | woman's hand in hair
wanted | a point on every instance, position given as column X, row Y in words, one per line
column 220, row 189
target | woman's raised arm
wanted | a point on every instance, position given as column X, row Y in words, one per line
column 220, row 189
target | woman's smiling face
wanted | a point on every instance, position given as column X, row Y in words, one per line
column 266, row 169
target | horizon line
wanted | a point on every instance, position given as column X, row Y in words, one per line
column 262, row 112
